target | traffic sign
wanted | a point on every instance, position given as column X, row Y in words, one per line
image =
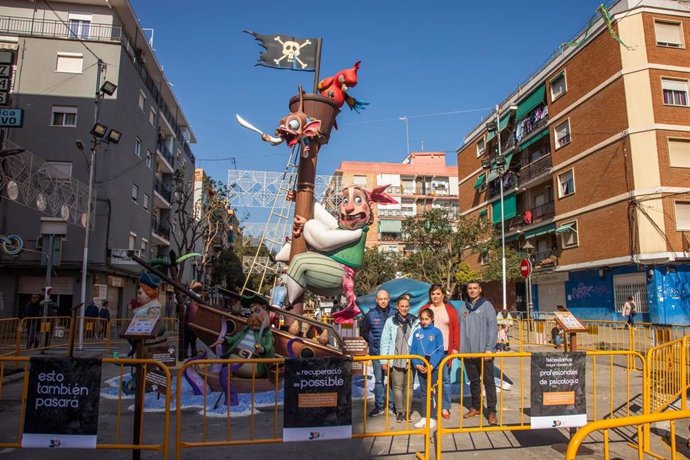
column 525, row 268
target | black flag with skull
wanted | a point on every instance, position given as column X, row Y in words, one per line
column 287, row 52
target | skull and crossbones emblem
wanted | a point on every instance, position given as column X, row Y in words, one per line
column 291, row 51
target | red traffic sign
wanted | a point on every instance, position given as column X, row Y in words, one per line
column 525, row 268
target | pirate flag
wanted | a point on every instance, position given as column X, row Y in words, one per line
column 287, row 52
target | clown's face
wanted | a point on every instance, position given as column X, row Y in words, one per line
column 354, row 210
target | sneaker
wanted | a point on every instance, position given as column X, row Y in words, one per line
column 392, row 411
column 402, row 417
column 376, row 412
column 422, row 423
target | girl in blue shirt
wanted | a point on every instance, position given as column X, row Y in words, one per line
column 427, row 341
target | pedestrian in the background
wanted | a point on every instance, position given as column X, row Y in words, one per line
column 91, row 313
column 478, row 334
column 189, row 314
column 371, row 329
column 103, row 319
column 557, row 336
column 395, row 339
column 427, row 341
column 32, row 312
column 446, row 320
column 628, row 311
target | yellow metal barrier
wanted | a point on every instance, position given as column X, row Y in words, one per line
column 233, row 430
column 613, row 390
column 9, row 329
column 107, row 439
column 668, row 374
column 640, row 421
column 53, row 332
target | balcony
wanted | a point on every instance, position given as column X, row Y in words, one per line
column 539, row 213
column 544, row 260
column 162, row 195
column 12, row 25
column 535, row 169
column 390, row 213
column 165, row 159
column 160, row 232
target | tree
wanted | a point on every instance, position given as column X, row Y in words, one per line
column 377, row 267
column 440, row 241
column 199, row 215
column 494, row 269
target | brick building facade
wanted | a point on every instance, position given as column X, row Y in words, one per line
column 594, row 158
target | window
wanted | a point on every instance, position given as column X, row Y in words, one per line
column 558, row 86
column 137, row 147
column 668, row 34
column 682, row 215
column 149, row 157
column 142, row 100
column 675, row 92
column 566, row 184
column 144, row 246
column 569, row 236
column 360, row 180
column 481, row 147
column 562, row 134
column 631, row 285
column 60, row 170
column 146, row 201
column 152, row 117
column 135, row 192
column 79, row 25
column 132, row 240
column 69, row 62
column 63, row 116
column 679, row 153
column 484, row 257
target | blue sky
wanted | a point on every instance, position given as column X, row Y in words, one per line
column 444, row 64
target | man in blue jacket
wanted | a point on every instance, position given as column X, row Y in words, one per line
column 371, row 329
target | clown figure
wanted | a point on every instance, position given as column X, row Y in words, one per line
column 336, row 249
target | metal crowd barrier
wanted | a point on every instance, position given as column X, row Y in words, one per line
column 614, row 390
column 668, row 374
column 108, row 438
column 641, row 422
column 41, row 333
column 234, row 430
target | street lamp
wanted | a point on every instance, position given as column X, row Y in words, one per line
column 99, row 133
column 528, row 248
column 407, row 131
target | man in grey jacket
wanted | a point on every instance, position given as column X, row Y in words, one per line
column 478, row 332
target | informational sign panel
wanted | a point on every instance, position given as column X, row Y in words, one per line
column 10, row 118
column 6, row 60
column 568, row 322
column 356, row 346
column 318, row 399
column 559, row 399
column 142, row 326
column 62, row 403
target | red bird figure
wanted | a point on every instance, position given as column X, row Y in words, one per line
column 336, row 87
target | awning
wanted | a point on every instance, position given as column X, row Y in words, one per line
column 533, row 139
column 511, row 238
column 483, row 213
column 528, row 104
column 509, row 208
column 569, row 227
column 502, row 123
column 390, row 226
column 508, row 158
column 480, row 180
column 539, row 231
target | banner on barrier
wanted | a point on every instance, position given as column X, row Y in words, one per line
column 318, row 399
column 62, row 403
column 559, row 399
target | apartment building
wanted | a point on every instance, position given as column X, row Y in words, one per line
column 75, row 64
column 421, row 181
column 594, row 157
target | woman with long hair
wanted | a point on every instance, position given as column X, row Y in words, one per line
column 445, row 319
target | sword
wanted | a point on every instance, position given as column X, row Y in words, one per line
column 270, row 139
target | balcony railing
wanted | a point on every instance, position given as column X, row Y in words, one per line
column 162, row 190
column 544, row 259
column 160, row 229
column 166, row 153
column 539, row 213
column 536, row 168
